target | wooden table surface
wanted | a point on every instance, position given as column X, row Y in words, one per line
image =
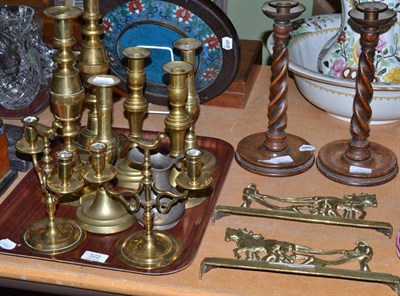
column 232, row 125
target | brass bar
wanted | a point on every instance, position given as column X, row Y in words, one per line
column 215, row 262
column 222, row 211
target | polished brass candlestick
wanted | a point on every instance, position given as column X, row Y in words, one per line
column 178, row 120
column 135, row 106
column 66, row 90
column 103, row 215
column 357, row 161
column 194, row 179
column 188, row 47
column 92, row 61
column 103, row 85
column 276, row 153
column 150, row 249
column 52, row 235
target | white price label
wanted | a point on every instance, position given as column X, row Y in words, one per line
column 227, row 43
column 7, row 244
column 306, row 148
column 95, row 257
column 359, row 170
column 277, row 160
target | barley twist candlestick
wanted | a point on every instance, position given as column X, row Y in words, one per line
column 276, row 153
column 66, row 90
column 135, row 106
column 92, row 61
column 359, row 162
column 188, row 47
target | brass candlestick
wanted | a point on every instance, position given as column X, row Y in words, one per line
column 52, row 235
column 188, row 47
column 177, row 121
column 276, row 153
column 359, row 162
column 104, row 215
column 103, row 85
column 92, row 61
column 135, row 106
column 194, row 179
column 66, row 90
column 150, row 249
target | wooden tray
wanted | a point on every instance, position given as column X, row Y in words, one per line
column 23, row 207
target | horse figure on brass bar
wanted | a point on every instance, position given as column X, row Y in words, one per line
column 351, row 206
column 254, row 245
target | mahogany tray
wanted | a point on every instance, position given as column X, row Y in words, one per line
column 23, row 207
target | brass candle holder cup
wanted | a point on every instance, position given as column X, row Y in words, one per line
column 276, row 153
column 52, row 235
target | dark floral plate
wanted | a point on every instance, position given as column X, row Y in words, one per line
column 156, row 24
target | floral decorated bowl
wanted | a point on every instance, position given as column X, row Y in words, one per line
column 333, row 94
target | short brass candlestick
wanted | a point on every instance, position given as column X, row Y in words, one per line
column 188, row 47
column 66, row 90
column 103, row 85
column 194, row 179
column 359, row 162
column 135, row 106
column 52, row 235
column 276, row 153
column 178, row 120
column 103, row 215
column 92, row 61
column 148, row 248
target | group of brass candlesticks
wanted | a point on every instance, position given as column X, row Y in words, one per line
column 355, row 162
column 158, row 187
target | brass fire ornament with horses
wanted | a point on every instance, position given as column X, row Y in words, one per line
column 350, row 210
column 254, row 252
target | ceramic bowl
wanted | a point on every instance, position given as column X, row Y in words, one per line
column 334, row 95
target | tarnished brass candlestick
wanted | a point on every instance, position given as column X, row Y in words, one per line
column 188, row 47
column 148, row 248
column 104, row 215
column 66, row 90
column 276, row 153
column 135, row 106
column 52, row 235
column 357, row 161
column 194, row 179
column 92, row 61
column 178, row 120
column 103, row 85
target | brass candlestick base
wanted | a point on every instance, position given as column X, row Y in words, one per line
column 134, row 250
column 275, row 153
column 252, row 155
column 104, row 215
column 357, row 161
column 52, row 237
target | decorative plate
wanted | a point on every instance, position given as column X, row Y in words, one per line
column 156, row 24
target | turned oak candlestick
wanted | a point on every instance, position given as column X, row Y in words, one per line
column 276, row 153
column 359, row 162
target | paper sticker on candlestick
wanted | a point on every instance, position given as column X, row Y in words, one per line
column 7, row 244
column 227, row 43
column 94, row 256
column 306, row 148
column 277, row 160
column 359, row 170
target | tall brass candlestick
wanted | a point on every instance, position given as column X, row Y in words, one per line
column 104, row 103
column 92, row 61
column 178, row 121
column 188, row 47
column 66, row 90
column 135, row 106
